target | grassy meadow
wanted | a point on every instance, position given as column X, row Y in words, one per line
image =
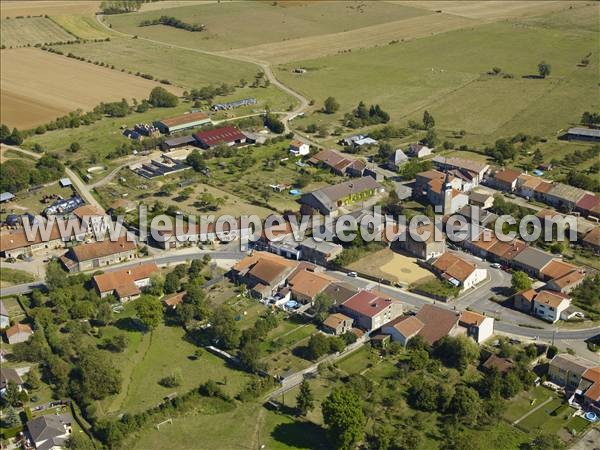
column 447, row 75
column 84, row 27
column 242, row 24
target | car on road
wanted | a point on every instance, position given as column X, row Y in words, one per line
column 352, row 274
column 496, row 266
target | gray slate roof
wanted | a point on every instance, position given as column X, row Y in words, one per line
column 572, row 363
column 9, row 374
column 342, row 190
column 532, row 257
column 49, row 426
column 584, row 131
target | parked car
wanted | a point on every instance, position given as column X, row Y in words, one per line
column 496, row 266
column 352, row 274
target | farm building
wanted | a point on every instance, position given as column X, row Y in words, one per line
column 583, row 134
column 329, row 199
column 182, row 122
column 229, row 136
column 232, row 105
column 177, row 142
column 338, row 163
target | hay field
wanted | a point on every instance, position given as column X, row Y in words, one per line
column 242, row 24
column 12, row 8
column 29, row 99
column 31, row 31
column 84, row 27
column 183, row 67
column 446, row 74
column 491, row 10
column 361, row 38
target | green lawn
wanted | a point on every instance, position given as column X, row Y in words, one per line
column 240, row 24
column 522, row 403
column 9, row 277
column 170, row 353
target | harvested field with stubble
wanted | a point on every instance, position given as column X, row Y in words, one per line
column 12, row 8
column 29, row 99
column 84, row 27
column 31, row 31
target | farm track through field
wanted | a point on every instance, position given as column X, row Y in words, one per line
column 263, row 65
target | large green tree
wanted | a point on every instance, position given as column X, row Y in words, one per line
column 520, row 281
column 149, row 310
column 344, row 418
column 305, row 399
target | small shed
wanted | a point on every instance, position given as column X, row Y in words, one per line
column 65, row 182
column 6, row 197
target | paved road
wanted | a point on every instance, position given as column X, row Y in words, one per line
column 509, row 320
column 160, row 260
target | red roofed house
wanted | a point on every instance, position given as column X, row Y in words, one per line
column 403, row 329
column 338, row 323
column 458, row 271
column 438, row 322
column 229, row 136
column 545, row 304
column 592, row 239
column 478, row 326
column 506, row 179
column 18, row 333
column 370, row 311
column 125, row 284
column 588, row 204
column 299, row 148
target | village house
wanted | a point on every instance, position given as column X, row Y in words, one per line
column 457, row 271
column 4, row 316
column 505, row 179
column 422, row 242
column 482, row 200
column 532, row 260
column 263, row 273
column 338, row 163
column 370, row 310
column 15, row 243
column 50, row 431
column 199, row 234
column 125, row 284
column 474, row 170
column 319, row 252
column 589, row 205
column 477, row 326
column 338, row 324
column 526, row 185
column 99, row 254
column 418, row 151
column 545, row 304
column 563, row 196
column 305, row 285
column 330, row 199
column 182, row 122
column 567, row 282
column 18, row 333
column 172, row 301
column 339, row 292
column 228, row 136
column 9, row 375
column 592, row 240
column 94, row 219
column 437, row 323
column 299, row 148
column 579, row 377
column 396, row 159
column 403, row 328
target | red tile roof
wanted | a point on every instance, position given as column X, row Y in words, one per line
column 438, row 322
column 123, row 281
column 367, row 303
column 588, row 202
column 218, row 136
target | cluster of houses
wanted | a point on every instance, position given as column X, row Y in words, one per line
column 278, row 281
